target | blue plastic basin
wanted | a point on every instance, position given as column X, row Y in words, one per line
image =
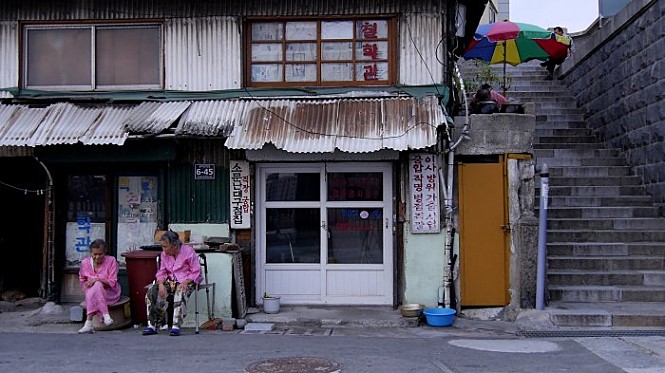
column 439, row 316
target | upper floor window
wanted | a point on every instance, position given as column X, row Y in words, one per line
column 93, row 56
column 357, row 51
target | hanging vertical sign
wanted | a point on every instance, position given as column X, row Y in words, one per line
column 240, row 195
column 424, row 193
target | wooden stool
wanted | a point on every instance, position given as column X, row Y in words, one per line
column 120, row 313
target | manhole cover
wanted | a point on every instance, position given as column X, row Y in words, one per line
column 294, row 365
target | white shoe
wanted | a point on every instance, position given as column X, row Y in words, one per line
column 87, row 328
column 108, row 320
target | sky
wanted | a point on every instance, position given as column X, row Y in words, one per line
column 575, row 15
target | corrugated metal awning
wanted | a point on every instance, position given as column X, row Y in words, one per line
column 66, row 123
column 155, row 117
column 321, row 126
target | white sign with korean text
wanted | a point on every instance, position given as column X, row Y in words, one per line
column 424, row 193
column 240, row 195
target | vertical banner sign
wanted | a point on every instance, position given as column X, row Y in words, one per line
column 424, row 193
column 240, row 195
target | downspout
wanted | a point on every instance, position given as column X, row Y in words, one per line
column 447, row 191
column 48, row 259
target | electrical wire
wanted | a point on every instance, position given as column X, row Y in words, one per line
column 26, row 191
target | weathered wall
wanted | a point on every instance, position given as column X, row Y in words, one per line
column 617, row 73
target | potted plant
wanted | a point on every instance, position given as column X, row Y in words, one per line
column 270, row 303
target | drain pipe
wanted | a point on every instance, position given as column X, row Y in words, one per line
column 542, row 236
column 48, row 264
column 447, row 190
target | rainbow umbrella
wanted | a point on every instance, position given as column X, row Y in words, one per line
column 513, row 43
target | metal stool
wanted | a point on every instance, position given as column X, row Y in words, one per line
column 207, row 286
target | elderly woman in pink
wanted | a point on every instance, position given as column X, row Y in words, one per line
column 176, row 277
column 99, row 280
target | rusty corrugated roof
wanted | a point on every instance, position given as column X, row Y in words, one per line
column 350, row 125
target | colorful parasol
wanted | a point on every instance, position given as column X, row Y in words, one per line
column 513, row 43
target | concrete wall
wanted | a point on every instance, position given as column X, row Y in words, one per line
column 617, row 73
column 423, row 266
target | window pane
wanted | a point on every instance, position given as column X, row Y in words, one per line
column 372, row 29
column 337, row 72
column 292, row 187
column 355, row 236
column 355, row 186
column 267, row 31
column 59, row 57
column 301, row 52
column 337, row 30
column 301, row 72
column 138, row 204
column 267, row 52
column 371, row 71
column 267, row 73
column 128, row 56
column 372, row 50
column 86, row 215
column 337, row 51
column 301, row 31
column 293, row 235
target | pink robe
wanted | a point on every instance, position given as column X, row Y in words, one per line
column 98, row 297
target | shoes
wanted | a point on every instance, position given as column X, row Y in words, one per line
column 549, row 77
column 149, row 331
column 108, row 320
column 174, row 332
column 87, row 328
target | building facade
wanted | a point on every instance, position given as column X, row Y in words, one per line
column 310, row 133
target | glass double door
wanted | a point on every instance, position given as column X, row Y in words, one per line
column 325, row 233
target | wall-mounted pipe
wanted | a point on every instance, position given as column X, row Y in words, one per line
column 48, row 257
column 542, row 236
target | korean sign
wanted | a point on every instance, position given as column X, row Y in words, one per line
column 424, row 193
column 240, row 195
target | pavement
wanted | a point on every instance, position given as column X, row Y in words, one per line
column 35, row 315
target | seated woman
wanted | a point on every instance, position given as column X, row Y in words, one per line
column 179, row 271
column 482, row 103
column 99, row 280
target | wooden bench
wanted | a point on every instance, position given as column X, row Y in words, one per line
column 120, row 313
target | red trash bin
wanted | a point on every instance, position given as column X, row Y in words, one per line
column 141, row 269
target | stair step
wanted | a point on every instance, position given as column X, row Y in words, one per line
column 607, row 293
column 559, row 212
column 574, row 224
column 585, row 153
column 605, row 278
column 564, row 139
column 581, row 145
column 571, row 162
column 594, row 181
column 602, row 263
column 593, row 314
column 605, row 249
column 596, row 191
column 551, row 131
column 637, row 202
column 605, row 236
column 589, row 171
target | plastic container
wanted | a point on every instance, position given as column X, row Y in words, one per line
column 440, row 316
column 271, row 304
column 141, row 270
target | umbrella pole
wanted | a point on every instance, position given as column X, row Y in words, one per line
column 504, row 68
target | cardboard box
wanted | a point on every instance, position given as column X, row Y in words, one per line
column 183, row 235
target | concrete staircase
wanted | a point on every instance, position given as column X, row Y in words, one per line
column 605, row 240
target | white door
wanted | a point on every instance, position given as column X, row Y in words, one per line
column 324, row 233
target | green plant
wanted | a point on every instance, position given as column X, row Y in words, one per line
column 484, row 73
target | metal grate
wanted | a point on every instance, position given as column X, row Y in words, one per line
column 590, row 333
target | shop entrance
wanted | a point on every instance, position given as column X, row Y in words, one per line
column 325, row 233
